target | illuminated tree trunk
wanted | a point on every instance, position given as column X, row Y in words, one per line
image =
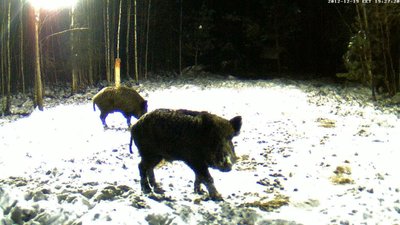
column 21, row 46
column 128, row 20
column 38, row 78
column 74, row 71
column 3, row 59
column 147, row 39
column 390, row 78
column 366, row 48
column 368, row 54
column 180, row 39
column 117, row 65
column 89, row 17
column 8, row 98
column 107, row 41
column 136, row 47
column 119, row 26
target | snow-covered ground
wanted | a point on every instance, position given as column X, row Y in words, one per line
column 299, row 139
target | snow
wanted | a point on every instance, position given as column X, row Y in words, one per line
column 65, row 168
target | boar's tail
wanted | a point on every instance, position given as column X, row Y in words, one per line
column 94, row 106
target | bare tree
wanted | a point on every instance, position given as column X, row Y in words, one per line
column 21, row 46
column 362, row 14
column 89, row 17
column 3, row 55
column 136, row 43
column 384, row 30
column 127, row 45
column 73, row 39
column 117, row 66
column 180, row 38
column 8, row 98
column 107, row 40
column 147, row 39
column 119, row 26
column 38, row 77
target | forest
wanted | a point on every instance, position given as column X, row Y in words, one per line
column 78, row 46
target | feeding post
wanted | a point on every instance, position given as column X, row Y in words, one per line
column 117, row 72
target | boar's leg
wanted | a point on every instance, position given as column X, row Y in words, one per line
column 203, row 176
column 144, row 182
column 103, row 116
column 128, row 118
column 156, row 187
column 146, row 169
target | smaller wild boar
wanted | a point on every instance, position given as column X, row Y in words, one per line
column 119, row 99
column 199, row 139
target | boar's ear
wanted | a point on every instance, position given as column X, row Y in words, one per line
column 236, row 123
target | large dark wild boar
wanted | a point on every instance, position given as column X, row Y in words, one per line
column 199, row 139
column 122, row 99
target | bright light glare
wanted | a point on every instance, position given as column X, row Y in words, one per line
column 52, row 4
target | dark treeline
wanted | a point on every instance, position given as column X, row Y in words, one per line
column 253, row 38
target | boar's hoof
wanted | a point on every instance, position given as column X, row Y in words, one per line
column 199, row 190
column 216, row 197
column 158, row 190
column 146, row 189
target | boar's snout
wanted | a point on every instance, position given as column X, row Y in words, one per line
column 227, row 159
column 226, row 168
column 227, row 163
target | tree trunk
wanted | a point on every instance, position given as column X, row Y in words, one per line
column 117, row 65
column 3, row 58
column 38, row 76
column 89, row 17
column 392, row 85
column 8, row 99
column 384, row 57
column 107, row 41
column 128, row 27
column 196, row 55
column 180, row 38
column 112, row 16
column 277, row 44
column 362, row 16
column 135, row 41
column 147, row 39
column 21, row 46
column 371, row 76
column 119, row 26
column 73, row 54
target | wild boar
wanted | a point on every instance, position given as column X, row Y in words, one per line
column 199, row 139
column 122, row 99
